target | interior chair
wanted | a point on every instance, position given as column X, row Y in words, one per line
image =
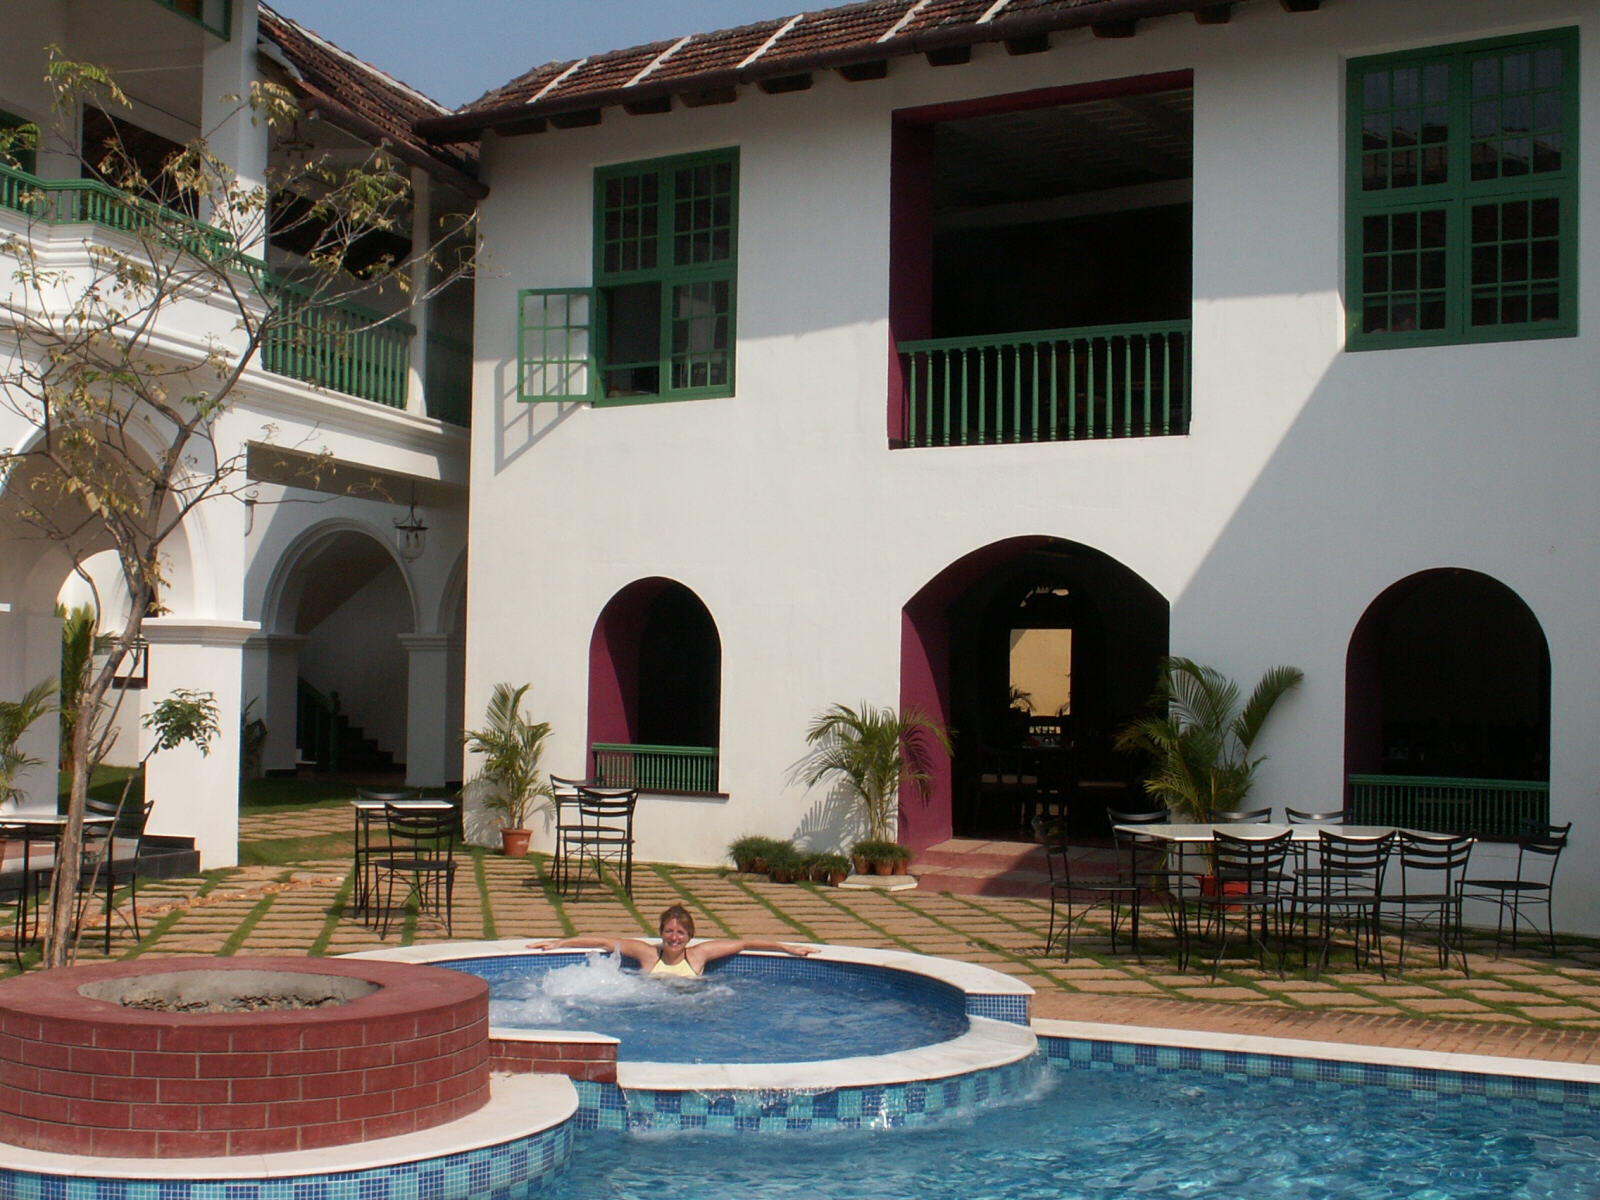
column 1431, row 877
column 1248, row 886
column 110, row 857
column 419, row 848
column 1539, row 848
column 1345, row 890
column 564, row 799
column 1075, row 898
column 1006, row 787
column 604, row 832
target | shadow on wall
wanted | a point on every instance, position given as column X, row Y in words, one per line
column 831, row 823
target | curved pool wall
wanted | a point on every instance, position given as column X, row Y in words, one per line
column 996, row 1058
column 523, row 1136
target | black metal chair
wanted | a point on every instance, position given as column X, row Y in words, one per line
column 372, row 802
column 1147, row 858
column 1078, row 897
column 1241, row 816
column 419, row 847
column 604, row 832
column 1432, row 875
column 1345, row 890
column 1539, row 848
column 110, row 858
column 564, row 801
column 1302, row 853
column 1247, row 885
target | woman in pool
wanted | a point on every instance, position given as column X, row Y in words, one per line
column 674, row 955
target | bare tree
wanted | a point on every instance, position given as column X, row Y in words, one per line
column 126, row 440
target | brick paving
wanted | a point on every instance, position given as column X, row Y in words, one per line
column 1524, row 1005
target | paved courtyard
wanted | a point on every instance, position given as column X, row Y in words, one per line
column 1527, row 1004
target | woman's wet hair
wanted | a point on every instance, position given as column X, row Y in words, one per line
column 678, row 913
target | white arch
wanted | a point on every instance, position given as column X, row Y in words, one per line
column 282, row 585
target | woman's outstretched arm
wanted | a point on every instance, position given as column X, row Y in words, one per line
column 644, row 952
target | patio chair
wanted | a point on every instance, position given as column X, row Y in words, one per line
column 370, row 804
column 419, row 848
column 1147, row 858
column 1345, row 890
column 1247, row 885
column 1539, row 848
column 604, row 831
column 1077, row 898
column 1241, row 816
column 1302, row 852
column 110, row 857
column 564, row 800
column 1431, row 876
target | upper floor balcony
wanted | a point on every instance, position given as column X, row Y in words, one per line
column 1041, row 266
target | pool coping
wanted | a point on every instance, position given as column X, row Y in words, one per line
column 519, row 1106
column 1344, row 1052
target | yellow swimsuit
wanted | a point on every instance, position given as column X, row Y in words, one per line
column 680, row 969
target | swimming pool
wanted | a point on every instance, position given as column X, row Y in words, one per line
column 1113, row 1120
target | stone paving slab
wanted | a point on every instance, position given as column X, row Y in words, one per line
column 1524, row 1004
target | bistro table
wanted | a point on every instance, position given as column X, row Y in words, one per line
column 364, row 809
column 1180, row 836
column 39, row 835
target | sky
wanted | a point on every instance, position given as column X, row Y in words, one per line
column 455, row 50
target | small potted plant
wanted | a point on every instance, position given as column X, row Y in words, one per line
column 881, row 856
column 831, row 869
column 746, row 852
column 511, row 746
column 783, row 861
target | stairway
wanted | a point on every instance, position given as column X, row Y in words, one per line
column 972, row 867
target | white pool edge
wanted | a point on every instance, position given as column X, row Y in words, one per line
column 1348, row 1052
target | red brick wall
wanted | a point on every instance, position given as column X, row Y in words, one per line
column 593, row 1061
column 79, row 1075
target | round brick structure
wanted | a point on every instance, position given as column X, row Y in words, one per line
column 399, row 1048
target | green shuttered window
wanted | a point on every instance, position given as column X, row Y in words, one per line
column 1462, row 194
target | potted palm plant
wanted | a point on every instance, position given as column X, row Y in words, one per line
column 512, row 747
column 873, row 752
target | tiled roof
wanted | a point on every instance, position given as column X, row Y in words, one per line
column 868, row 32
column 366, row 102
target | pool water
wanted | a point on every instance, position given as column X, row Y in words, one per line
column 745, row 1010
column 1133, row 1136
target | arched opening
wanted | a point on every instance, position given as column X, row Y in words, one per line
column 1032, row 651
column 655, row 690
column 338, row 675
column 1447, row 707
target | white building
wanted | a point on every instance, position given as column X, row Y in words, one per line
column 294, row 595
column 827, row 358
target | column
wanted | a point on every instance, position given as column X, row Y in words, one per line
column 232, row 135
column 272, row 680
column 421, row 239
column 427, row 718
column 197, row 795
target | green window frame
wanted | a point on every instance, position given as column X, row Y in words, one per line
column 555, row 344
column 665, row 273
column 1461, row 193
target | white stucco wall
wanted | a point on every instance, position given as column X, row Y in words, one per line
column 1312, row 478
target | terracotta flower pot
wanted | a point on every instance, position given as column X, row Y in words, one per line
column 882, row 866
column 514, row 842
column 863, row 866
column 899, row 867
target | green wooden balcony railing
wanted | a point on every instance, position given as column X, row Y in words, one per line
column 1486, row 808
column 449, row 379
column 656, row 768
column 1050, row 385
column 342, row 347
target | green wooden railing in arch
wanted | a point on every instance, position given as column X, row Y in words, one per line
column 1048, row 385
column 656, row 768
column 1486, row 808
column 343, row 347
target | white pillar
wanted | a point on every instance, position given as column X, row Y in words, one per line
column 421, row 239
column 233, row 132
column 197, row 795
column 271, row 679
column 427, row 717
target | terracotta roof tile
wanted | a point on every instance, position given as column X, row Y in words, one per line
column 853, row 34
column 383, row 104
